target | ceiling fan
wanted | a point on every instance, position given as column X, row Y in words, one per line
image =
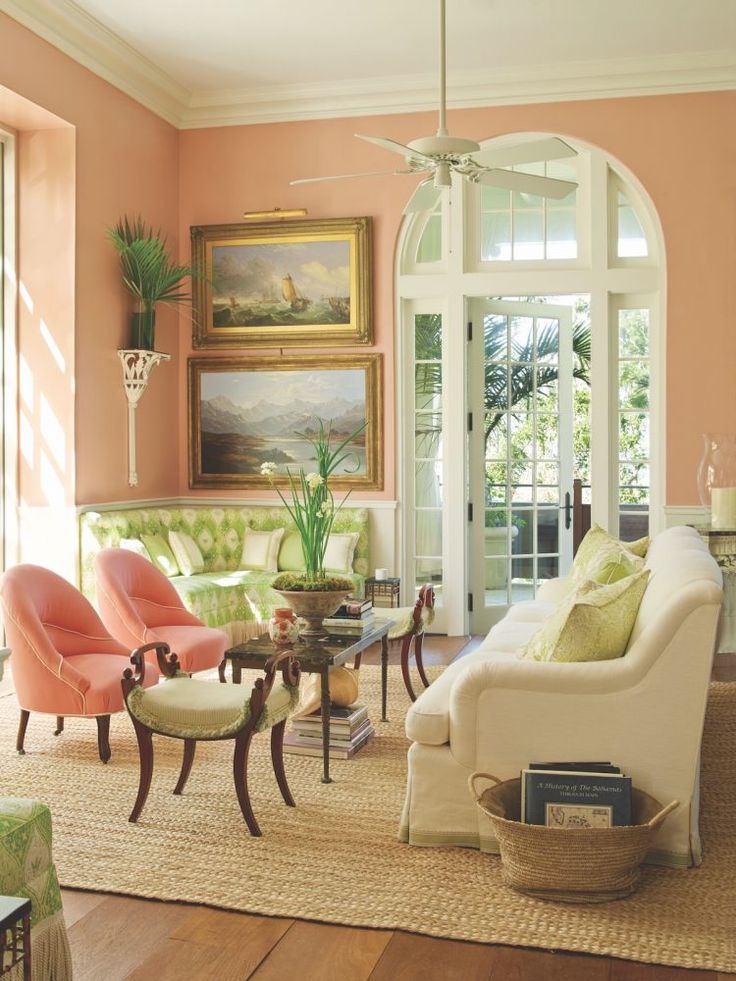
column 441, row 155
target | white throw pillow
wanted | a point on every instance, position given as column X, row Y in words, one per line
column 186, row 552
column 340, row 551
column 134, row 545
column 261, row 550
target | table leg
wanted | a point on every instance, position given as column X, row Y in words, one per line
column 325, row 709
column 237, row 673
column 384, row 676
column 27, row 947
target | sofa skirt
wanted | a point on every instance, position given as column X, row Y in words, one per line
column 439, row 811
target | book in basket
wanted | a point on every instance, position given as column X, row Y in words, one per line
column 575, row 799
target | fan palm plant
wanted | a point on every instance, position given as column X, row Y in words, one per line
column 149, row 274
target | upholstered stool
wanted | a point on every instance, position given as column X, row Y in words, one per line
column 189, row 709
column 411, row 622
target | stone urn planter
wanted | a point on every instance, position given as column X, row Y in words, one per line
column 497, row 549
column 313, row 605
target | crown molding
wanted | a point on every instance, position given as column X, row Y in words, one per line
column 72, row 30
column 68, row 27
column 608, row 79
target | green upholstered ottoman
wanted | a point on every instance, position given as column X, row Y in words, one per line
column 27, row 869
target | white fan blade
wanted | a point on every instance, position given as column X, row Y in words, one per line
column 546, row 187
column 339, row 177
column 424, row 198
column 405, row 151
column 550, row 149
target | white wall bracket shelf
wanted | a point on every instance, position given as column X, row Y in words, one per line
column 137, row 365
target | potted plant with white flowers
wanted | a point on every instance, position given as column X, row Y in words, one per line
column 314, row 594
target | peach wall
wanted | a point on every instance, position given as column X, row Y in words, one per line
column 681, row 147
column 46, row 341
column 126, row 162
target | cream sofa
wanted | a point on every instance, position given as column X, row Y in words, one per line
column 226, row 596
column 492, row 712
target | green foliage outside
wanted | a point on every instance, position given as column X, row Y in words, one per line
column 510, row 398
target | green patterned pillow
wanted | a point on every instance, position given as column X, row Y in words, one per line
column 613, row 561
column 594, row 540
column 160, row 554
column 187, row 553
column 291, row 554
column 594, row 623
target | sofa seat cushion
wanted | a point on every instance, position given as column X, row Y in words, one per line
column 191, row 709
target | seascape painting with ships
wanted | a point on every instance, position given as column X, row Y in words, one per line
column 250, row 417
column 281, row 284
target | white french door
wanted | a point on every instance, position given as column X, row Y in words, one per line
column 520, row 474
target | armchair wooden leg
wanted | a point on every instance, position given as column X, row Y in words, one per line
column 418, row 658
column 240, row 773
column 145, row 750
column 405, row 648
column 186, row 764
column 59, row 725
column 277, row 758
column 22, row 726
column 103, row 737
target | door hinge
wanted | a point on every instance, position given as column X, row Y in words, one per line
column 470, row 602
column 470, row 510
column 470, row 330
column 470, row 422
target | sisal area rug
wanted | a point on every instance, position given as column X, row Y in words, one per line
column 336, row 858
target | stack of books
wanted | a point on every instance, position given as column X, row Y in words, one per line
column 354, row 616
column 575, row 795
column 350, row 730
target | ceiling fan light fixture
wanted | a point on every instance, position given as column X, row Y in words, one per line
column 442, row 175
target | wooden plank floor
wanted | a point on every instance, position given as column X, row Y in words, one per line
column 114, row 938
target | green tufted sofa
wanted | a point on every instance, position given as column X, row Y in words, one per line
column 238, row 601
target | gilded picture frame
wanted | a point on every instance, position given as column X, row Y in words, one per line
column 284, row 283
column 246, row 411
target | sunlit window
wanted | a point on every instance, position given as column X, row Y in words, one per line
column 515, row 226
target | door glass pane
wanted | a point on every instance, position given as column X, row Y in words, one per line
column 548, row 520
column 428, row 497
column 522, row 579
column 634, row 445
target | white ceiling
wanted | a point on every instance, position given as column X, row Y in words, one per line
column 204, row 62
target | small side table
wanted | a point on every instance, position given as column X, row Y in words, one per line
column 15, row 934
column 722, row 545
column 383, row 592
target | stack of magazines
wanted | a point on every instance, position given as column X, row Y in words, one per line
column 354, row 616
column 575, row 795
column 350, row 730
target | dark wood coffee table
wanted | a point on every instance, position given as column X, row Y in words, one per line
column 317, row 656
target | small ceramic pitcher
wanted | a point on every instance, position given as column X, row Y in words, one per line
column 283, row 627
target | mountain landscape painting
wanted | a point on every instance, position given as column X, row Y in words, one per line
column 250, row 418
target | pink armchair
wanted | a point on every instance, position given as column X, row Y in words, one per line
column 64, row 662
column 138, row 605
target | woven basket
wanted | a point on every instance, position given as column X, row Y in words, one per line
column 574, row 865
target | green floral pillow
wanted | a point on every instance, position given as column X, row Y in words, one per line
column 593, row 541
column 291, row 553
column 593, row 623
column 613, row 561
column 160, row 554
